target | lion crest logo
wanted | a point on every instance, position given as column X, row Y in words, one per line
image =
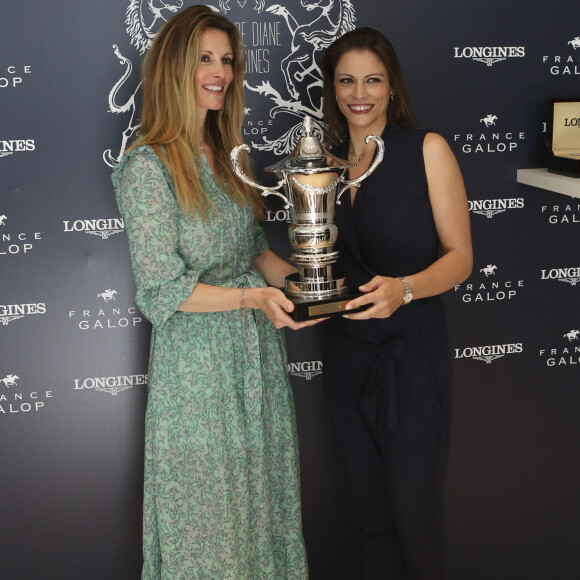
column 294, row 93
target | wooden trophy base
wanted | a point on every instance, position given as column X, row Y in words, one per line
column 311, row 308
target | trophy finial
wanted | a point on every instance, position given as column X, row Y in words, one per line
column 309, row 143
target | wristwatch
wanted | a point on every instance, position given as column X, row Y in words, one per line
column 408, row 295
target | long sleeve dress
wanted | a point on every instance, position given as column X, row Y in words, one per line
column 221, row 490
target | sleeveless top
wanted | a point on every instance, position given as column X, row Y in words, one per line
column 390, row 231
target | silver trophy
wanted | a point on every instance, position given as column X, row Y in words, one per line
column 313, row 180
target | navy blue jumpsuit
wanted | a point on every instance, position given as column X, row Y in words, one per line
column 388, row 381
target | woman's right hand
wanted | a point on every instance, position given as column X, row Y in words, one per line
column 276, row 307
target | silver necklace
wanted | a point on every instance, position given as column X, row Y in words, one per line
column 363, row 155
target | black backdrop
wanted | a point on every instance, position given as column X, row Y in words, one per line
column 73, row 346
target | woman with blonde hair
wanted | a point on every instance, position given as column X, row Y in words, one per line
column 222, row 497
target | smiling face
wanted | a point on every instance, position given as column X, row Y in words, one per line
column 361, row 85
column 214, row 71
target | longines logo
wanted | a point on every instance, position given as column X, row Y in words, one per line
column 569, row 354
column 565, row 64
column 490, row 288
column 495, row 140
column 306, row 369
column 282, row 215
column 14, row 400
column 491, row 207
column 10, row 312
column 489, row 353
column 110, row 315
column 11, row 146
column 568, row 275
column 12, row 76
column 572, row 122
column 111, row 385
column 562, row 214
column 103, row 227
column 489, row 55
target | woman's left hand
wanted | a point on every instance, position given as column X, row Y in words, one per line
column 384, row 294
column 276, row 307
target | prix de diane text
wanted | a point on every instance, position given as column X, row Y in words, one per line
column 257, row 37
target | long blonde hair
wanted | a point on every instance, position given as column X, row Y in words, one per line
column 169, row 120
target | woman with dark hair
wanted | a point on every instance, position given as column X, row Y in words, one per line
column 404, row 238
column 221, row 497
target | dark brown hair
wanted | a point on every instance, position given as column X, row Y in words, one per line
column 399, row 112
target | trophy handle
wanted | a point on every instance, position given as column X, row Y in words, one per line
column 264, row 191
column 378, row 158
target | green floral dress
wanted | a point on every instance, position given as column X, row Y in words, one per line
column 222, row 497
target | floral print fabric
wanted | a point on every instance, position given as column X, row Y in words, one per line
column 222, row 498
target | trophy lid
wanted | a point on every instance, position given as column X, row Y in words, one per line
column 309, row 156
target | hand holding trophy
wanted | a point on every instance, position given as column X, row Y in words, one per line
column 313, row 181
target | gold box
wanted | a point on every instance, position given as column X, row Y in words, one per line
column 564, row 137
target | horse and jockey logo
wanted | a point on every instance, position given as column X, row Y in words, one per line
column 575, row 42
column 563, row 354
column 107, row 295
column 10, row 380
column 489, row 270
column 489, row 120
column 294, row 93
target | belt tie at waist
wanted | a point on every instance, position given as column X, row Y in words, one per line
column 383, row 375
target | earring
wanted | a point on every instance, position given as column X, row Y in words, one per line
column 336, row 98
column 392, row 97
